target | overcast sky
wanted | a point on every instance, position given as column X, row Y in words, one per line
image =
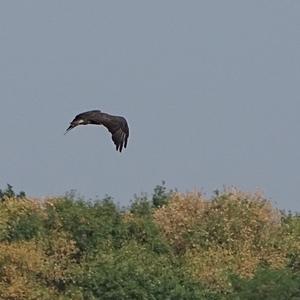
column 210, row 90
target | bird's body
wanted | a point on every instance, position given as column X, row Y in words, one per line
column 116, row 125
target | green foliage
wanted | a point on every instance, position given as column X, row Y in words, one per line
column 144, row 231
column 169, row 246
column 160, row 195
column 26, row 227
column 90, row 225
column 291, row 225
column 135, row 272
column 141, row 205
column 139, row 222
column 22, row 219
column 9, row 193
column 235, row 233
column 267, row 284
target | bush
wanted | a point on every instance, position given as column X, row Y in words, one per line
column 160, row 195
column 177, row 219
column 21, row 219
column 172, row 246
column 135, row 272
column 234, row 233
column 9, row 193
column 90, row 225
column 267, row 284
column 291, row 225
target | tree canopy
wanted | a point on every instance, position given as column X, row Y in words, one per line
column 170, row 245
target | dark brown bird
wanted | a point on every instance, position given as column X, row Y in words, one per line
column 116, row 125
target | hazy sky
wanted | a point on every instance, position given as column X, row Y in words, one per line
column 210, row 90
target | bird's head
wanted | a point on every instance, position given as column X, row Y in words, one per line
column 75, row 123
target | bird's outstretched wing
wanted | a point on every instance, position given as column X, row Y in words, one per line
column 118, row 128
column 116, row 125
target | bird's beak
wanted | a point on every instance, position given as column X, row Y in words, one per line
column 69, row 128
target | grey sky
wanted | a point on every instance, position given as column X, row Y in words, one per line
column 210, row 90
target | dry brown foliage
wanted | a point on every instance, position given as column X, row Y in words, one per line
column 30, row 269
column 180, row 216
column 21, row 263
column 234, row 233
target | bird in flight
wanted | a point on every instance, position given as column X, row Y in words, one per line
column 116, row 125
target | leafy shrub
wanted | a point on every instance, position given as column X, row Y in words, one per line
column 135, row 272
column 267, row 284
column 171, row 246
column 178, row 218
column 21, row 219
column 291, row 224
column 9, row 193
column 234, row 233
column 144, row 230
column 160, row 195
column 141, row 205
column 90, row 225
column 22, row 264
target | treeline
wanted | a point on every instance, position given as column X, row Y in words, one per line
column 234, row 245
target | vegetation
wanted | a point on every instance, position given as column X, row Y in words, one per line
column 169, row 246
